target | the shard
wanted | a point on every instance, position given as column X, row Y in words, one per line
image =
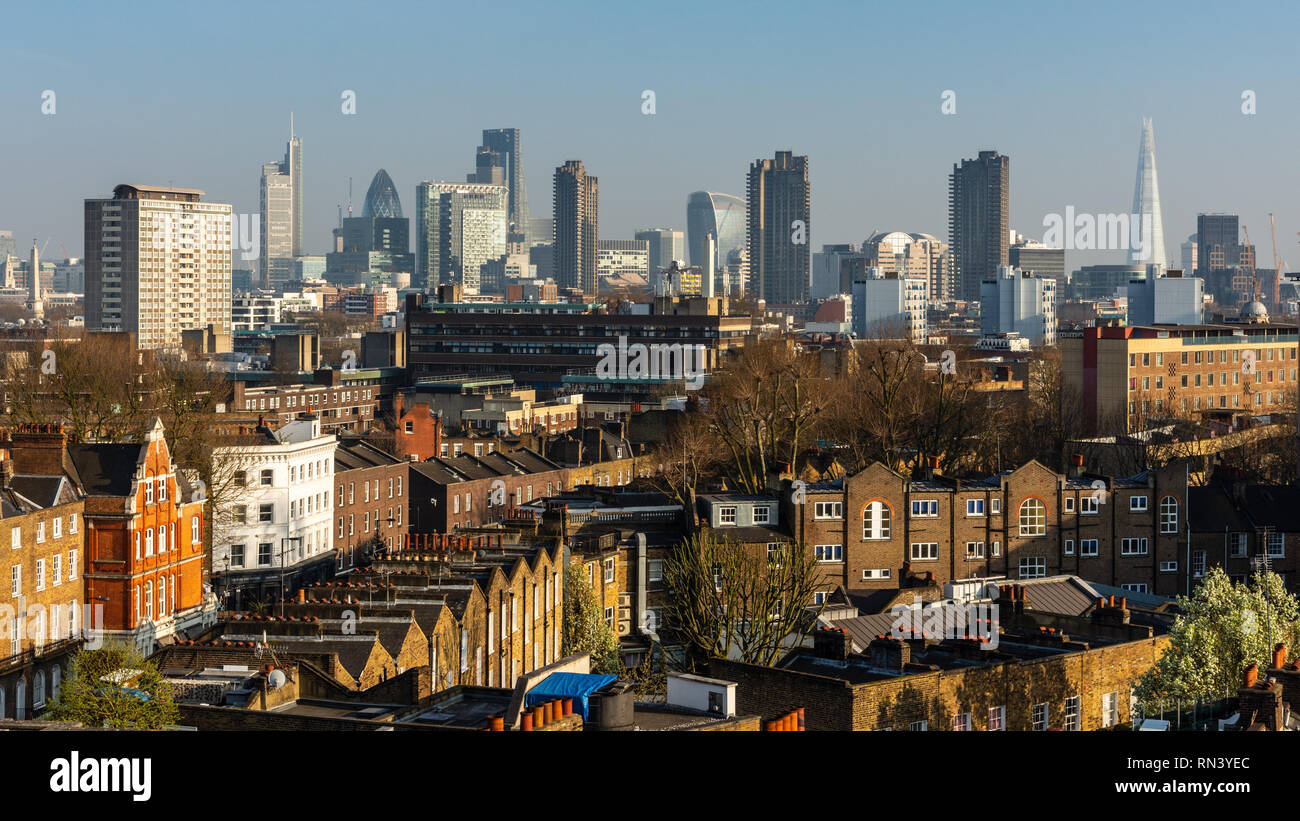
column 1147, row 233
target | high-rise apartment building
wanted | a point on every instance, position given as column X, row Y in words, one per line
column 666, row 246
column 576, row 206
column 459, row 228
column 779, row 229
column 979, row 196
column 502, row 149
column 157, row 264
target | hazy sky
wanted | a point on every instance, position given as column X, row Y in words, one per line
column 199, row 95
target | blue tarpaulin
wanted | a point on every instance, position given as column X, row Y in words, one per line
column 576, row 686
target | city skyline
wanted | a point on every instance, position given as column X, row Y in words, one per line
column 868, row 174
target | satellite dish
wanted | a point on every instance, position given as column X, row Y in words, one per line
column 276, row 679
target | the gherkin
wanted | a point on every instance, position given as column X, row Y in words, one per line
column 381, row 198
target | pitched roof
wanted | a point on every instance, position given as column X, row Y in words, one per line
column 105, row 469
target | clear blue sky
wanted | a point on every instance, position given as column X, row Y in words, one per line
column 199, row 95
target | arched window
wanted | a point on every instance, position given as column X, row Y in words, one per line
column 148, row 600
column 876, row 518
column 1033, row 517
column 56, row 680
column 148, row 543
column 162, row 597
column 162, row 538
column 1169, row 515
column 20, row 699
column 38, row 690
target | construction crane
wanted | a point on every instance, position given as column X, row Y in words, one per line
column 1254, row 281
column 1277, row 268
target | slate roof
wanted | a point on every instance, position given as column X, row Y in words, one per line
column 105, row 469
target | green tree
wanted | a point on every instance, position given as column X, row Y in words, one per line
column 114, row 686
column 1224, row 627
column 585, row 628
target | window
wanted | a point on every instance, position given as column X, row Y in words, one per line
column 1135, row 588
column 1168, row 515
column 1040, row 717
column 819, row 597
column 162, row 490
column 72, row 523
column 148, row 600
column 16, row 581
column 268, row 477
column 148, row 493
column 57, row 527
column 1072, row 713
column 974, row 507
column 1069, row 547
column 266, row 512
column 56, row 570
column 148, row 542
column 995, row 549
column 1137, row 504
column 1033, row 567
column 762, row 515
column 1168, row 567
column 16, row 538
column 925, row 508
column 609, row 571
column 961, row 723
column 40, row 532
column 1133, row 547
column 1087, row 547
column 1238, row 545
column 240, row 478
column 654, row 571
column 1088, row 505
column 828, row 510
column 1033, row 517
column 1110, row 709
column 1276, row 546
column 1198, row 563
column 925, row 551
column 919, row 726
column 236, row 555
column 995, row 507
column 875, row 521
column 974, row 550
column 880, row 573
column 194, row 530
column 1068, row 504
column 40, row 574
column 72, row 565
column 264, row 554
column 997, row 719
column 829, row 552
column 727, row 515
column 162, row 539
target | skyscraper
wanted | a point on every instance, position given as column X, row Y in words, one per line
column 576, row 205
column 665, row 246
column 381, row 198
column 504, row 150
column 459, row 228
column 1146, row 205
column 280, row 200
column 721, row 215
column 779, row 229
column 979, row 196
column 157, row 263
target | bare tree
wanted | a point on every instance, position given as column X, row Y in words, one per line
column 732, row 601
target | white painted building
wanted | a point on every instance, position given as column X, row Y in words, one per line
column 1018, row 302
column 274, row 511
column 890, row 306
